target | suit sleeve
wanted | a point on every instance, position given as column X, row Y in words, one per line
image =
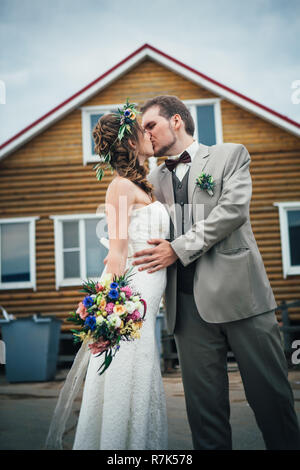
column 231, row 211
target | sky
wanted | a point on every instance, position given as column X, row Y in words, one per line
column 49, row 49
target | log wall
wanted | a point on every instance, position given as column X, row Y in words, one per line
column 47, row 177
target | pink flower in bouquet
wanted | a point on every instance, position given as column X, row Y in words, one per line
column 99, row 346
column 109, row 307
column 134, row 316
column 99, row 287
column 127, row 290
column 81, row 311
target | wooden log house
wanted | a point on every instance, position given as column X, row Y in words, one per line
column 50, row 200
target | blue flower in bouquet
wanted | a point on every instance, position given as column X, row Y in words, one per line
column 114, row 285
column 88, row 301
column 90, row 322
column 113, row 294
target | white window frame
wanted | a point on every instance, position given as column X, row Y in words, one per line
column 216, row 102
column 58, row 240
column 284, row 207
column 86, row 112
column 32, row 254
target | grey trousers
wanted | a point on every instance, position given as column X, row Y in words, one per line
column 256, row 343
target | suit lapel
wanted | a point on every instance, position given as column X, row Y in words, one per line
column 166, row 186
column 199, row 162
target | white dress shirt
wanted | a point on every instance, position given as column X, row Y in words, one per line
column 182, row 168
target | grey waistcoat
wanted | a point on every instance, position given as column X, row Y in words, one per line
column 185, row 275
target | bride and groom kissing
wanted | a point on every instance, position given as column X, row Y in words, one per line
column 206, row 262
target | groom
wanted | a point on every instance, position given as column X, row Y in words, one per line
column 218, row 294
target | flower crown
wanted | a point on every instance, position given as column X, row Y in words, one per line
column 127, row 117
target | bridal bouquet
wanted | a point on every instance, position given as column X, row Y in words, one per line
column 110, row 312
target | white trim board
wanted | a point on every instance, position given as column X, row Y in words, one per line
column 32, row 254
column 283, row 207
column 60, row 281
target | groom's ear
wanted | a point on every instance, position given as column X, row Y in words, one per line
column 177, row 121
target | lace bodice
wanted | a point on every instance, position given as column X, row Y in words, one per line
column 148, row 222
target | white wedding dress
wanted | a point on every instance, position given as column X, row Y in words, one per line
column 125, row 408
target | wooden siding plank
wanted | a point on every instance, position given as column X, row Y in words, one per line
column 47, row 176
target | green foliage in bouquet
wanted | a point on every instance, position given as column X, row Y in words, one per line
column 109, row 313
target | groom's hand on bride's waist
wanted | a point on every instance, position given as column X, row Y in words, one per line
column 159, row 256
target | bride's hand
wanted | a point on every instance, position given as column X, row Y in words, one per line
column 158, row 257
column 105, row 259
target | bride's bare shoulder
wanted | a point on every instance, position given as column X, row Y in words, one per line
column 119, row 183
column 120, row 186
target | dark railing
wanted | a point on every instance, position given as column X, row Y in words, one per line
column 170, row 356
column 168, row 346
column 287, row 329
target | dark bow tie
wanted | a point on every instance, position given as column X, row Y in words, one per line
column 172, row 163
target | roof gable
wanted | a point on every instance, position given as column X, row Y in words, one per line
column 144, row 52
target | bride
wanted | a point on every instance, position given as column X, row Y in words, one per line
column 125, row 408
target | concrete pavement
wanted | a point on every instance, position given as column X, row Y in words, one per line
column 26, row 410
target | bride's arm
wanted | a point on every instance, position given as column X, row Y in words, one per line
column 119, row 199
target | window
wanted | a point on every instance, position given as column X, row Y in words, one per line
column 206, row 114
column 17, row 253
column 289, row 215
column 79, row 254
column 207, row 117
column 90, row 117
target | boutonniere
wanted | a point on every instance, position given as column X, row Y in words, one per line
column 206, row 182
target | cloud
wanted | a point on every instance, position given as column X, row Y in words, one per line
column 53, row 48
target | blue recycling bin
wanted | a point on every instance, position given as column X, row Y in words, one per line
column 32, row 346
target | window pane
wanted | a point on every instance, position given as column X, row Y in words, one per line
column 94, row 119
column 95, row 251
column 15, row 262
column 71, row 264
column 294, row 236
column 206, row 125
column 70, row 234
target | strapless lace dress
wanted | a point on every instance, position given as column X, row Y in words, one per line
column 125, row 408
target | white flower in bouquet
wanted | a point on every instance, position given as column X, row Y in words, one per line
column 106, row 280
column 139, row 306
column 100, row 319
column 130, row 306
column 114, row 320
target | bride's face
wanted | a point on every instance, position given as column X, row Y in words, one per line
column 145, row 145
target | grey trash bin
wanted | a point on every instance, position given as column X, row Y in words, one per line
column 158, row 328
column 32, row 346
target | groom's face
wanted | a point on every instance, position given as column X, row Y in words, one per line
column 161, row 132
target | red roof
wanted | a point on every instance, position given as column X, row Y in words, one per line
column 148, row 47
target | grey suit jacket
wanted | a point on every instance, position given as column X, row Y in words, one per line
column 230, row 281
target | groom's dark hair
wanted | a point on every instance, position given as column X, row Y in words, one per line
column 170, row 105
